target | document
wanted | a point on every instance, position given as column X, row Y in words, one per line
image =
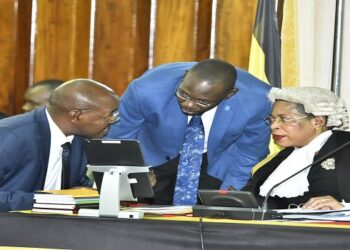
column 152, row 209
column 144, row 209
column 328, row 215
column 309, row 211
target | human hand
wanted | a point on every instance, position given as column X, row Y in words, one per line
column 231, row 188
column 152, row 178
column 323, row 203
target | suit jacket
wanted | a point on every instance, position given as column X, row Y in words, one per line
column 322, row 181
column 24, row 154
column 150, row 113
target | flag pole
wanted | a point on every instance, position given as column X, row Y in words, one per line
column 337, row 47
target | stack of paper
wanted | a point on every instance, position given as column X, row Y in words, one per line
column 178, row 210
column 137, row 212
column 328, row 215
column 65, row 201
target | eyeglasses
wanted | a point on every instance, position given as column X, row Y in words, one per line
column 183, row 96
column 114, row 117
column 111, row 118
column 283, row 119
column 291, row 206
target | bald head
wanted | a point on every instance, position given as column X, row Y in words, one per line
column 83, row 107
column 79, row 94
column 213, row 71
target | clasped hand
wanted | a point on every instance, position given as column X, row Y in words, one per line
column 323, row 203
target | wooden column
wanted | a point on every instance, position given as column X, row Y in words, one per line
column 14, row 53
column 175, row 38
column 234, row 27
column 62, row 39
column 121, row 41
column 203, row 29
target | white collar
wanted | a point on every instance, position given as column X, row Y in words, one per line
column 57, row 135
column 297, row 160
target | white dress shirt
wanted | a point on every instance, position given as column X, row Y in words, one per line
column 54, row 168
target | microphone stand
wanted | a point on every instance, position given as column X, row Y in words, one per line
column 264, row 205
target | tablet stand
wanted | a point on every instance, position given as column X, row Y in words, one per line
column 116, row 186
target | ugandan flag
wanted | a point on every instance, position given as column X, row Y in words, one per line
column 265, row 51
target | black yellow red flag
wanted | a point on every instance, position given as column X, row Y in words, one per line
column 265, row 51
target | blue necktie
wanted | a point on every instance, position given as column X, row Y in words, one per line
column 190, row 164
column 65, row 166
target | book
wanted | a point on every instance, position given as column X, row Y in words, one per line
column 69, row 193
column 67, row 201
column 54, row 211
column 64, row 206
column 68, row 196
column 63, row 200
column 52, row 206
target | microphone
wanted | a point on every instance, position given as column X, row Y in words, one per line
column 264, row 205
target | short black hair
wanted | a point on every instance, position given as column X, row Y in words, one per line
column 216, row 71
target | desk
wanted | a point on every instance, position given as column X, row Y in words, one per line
column 29, row 230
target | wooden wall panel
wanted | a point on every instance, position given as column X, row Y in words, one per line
column 121, row 41
column 62, row 39
column 141, row 43
column 22, row 56
column 203, row 29
column 235, row 20
column 14, row 53
column 7, row 49
column 174, row 37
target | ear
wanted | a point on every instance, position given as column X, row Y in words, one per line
column 319, row 121
column 231, row 92
column 75, row 115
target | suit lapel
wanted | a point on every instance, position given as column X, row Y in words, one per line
column 327, row 147
column 224, row 116
column 178, row 120
column 43, row 138
column 77, row 159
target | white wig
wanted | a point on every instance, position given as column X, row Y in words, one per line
column 316, row 101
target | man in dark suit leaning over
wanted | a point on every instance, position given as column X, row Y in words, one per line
column 31, row 144
column 201, row 125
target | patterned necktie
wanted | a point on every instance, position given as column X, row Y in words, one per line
column 65, row 166
column 190, row 164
